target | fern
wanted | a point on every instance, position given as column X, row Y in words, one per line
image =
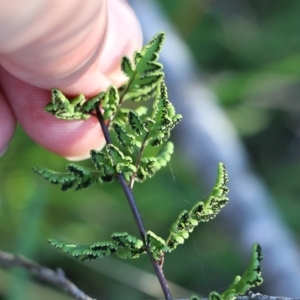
column 201, row 211
column 127, row 246
column 102, row 249
column 71, row 109
column 251, row 278
column 64, row 108
column 240, row 285
column 134, row 131
column 144, row 73
column 78, row 177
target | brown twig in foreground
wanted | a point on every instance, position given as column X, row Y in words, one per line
column 57, row 277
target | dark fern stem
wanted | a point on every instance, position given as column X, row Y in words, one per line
column 131, row 201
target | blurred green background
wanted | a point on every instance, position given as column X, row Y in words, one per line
column 250, row 54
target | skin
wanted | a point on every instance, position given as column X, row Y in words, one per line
column 75, row 46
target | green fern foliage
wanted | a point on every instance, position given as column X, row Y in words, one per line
column 77, row 177
column 122, row 244
column 241, row 284
column 144, row 73
column 164, row 118
column 201, row 211
column 64, row 108
column 110, row 103
column 127, row 246
column 134, row 130
column 71, row 109
column 112, row 161
column 251, row 278
column 157, row 245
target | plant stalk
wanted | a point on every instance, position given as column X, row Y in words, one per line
column 131, row 201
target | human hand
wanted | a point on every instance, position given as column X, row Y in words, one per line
column 75, row 46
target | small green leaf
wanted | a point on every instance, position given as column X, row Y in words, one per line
column 78, row 177
column 164, row 154
column 124, row 138
column 122, row 244
column 251, row 278
column 85, row 176
column 116, row 156
column 136, row 124
column 66, row 180
column 103, row 164
column 110, row 102
column 144, row 73
column 157, row 245
column 215, row 296
column 63, row 108
column 128, row 246
column 201, row 211
column 163, row 116
column 91, row 104
column 127, row 67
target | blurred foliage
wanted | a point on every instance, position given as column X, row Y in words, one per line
column 249, row 50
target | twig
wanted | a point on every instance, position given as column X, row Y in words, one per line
column 57, row 277
column 131, row 201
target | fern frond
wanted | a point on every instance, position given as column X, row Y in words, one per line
column 145, row 72
column 78, row 177
column 241, row 284
column 72, row 109
column 84, row 252
column 150, row 165
column 128, row 246
column 201, row 211
column 122, row 244
column 165, row 153
column 157, row 245
column 164, row 118
column 252, row 276
column 126, row 139
column 111, row 161
column 136, row 124
column 103, row 165
column 110, row 103
column 90, row 105
column 216, row 200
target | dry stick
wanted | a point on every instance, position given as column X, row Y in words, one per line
column 57, row 277
column 158, row 270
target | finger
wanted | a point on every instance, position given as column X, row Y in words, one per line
column 124, row 36
column 86, row 62
column 7, row 123
column 55, row 43
column 71, row 139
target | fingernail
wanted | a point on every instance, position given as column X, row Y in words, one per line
column 77, row 158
